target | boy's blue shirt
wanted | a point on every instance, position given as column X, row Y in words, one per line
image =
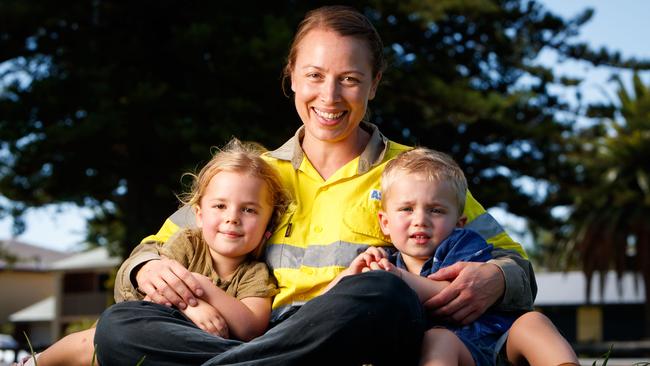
column 481, row 335
column 473, row 248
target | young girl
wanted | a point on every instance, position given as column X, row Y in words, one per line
column 236, row 197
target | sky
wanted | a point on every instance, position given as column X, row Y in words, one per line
column 619, row 25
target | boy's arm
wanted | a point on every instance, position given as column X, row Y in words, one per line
column 359, row 264
column 424, row 287
column 246, row 318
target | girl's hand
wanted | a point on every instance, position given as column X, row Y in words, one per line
column 206, row 317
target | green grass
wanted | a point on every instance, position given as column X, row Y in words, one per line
column 31, row 349
column 607, row 354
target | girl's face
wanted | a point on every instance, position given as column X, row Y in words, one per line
column 332, row 80
column 233, row 214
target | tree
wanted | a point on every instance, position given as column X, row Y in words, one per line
column 110, row 101
column 608, row 222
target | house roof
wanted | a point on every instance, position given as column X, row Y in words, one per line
column 42, row 311
column 28, row 257
column 560, row 288
column 97, row 258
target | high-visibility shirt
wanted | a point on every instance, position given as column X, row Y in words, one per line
column 333, row 220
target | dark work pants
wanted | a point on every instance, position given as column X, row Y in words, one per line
column 371, row 318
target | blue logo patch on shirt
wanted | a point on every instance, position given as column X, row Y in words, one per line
column 375, row 195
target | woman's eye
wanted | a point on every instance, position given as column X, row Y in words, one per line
column 349, row 80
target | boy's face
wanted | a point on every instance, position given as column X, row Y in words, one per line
column 418, row 215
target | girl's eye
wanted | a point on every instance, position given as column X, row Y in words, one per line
column 249, row 210
column 313, row 75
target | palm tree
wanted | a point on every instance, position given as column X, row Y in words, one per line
column 610, row 220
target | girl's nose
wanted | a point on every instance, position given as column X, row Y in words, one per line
column 232, row 217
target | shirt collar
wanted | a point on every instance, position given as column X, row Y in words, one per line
column 372, row 155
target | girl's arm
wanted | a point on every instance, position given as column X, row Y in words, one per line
column 246, row 318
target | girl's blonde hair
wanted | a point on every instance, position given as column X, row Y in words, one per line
column 432, row 165
column 244, row 158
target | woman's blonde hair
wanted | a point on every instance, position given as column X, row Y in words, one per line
column 244, row 158
column 430, row 164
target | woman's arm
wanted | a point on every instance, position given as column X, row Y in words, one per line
column 164, row 281
column 246, row 318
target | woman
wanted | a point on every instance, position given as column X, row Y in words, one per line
column 332, row 167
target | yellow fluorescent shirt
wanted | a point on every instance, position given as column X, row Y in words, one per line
column 334, row 220
column 331, row 222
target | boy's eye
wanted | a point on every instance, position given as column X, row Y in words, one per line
column 220, row 206
column 435, row 210
column 407, row 209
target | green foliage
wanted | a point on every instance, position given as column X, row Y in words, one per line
column 607, row 227
column 114, row 100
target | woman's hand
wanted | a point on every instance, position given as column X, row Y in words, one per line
column 473, row 289
column 167, row 282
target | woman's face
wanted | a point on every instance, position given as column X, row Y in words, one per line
column 332, row 80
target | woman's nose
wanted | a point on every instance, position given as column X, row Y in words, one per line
column 329, row 92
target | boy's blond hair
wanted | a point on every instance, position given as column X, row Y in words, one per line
column 244, row 158
column 430, row 164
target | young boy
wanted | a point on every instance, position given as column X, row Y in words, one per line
column 237, row 197
column 423, row 197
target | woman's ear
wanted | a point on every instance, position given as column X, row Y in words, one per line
column 374, row 86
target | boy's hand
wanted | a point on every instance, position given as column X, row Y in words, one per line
column 167, row 282
column 364, row 260
column 474, row 288
column 206, row 317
